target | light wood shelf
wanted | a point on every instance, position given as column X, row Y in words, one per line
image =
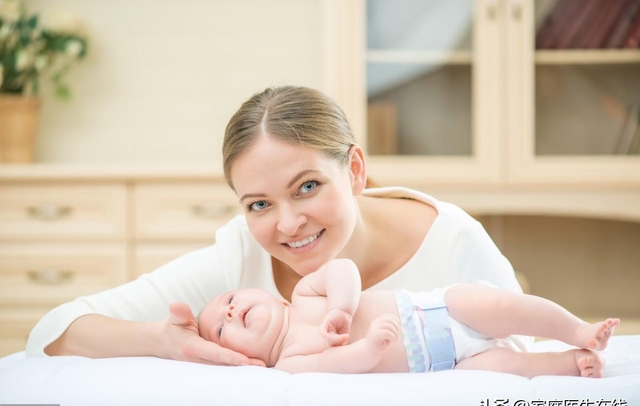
column 587, row 57
column 108, row 172
column 398, row 57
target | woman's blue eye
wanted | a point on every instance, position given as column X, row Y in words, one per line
column 309, row 186
column 259, row 205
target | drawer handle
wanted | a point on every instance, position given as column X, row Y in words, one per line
column 517, row 8
column 50, row 276
column 49, row 211
column 492, row 7
column 212, row 211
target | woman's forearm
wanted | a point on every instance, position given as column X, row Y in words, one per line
column 98, row 336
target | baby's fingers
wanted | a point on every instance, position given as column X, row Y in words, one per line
column 337, row 339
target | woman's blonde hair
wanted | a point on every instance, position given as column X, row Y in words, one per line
column 295, row 115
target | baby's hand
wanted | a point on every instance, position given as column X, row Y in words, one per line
column 383, row 331
column 336, row 326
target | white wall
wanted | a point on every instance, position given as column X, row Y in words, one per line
column 163, row 77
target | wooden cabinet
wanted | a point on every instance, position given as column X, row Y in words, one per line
column 471, row 103
column 70, row 231
column 435, row 67
column 58, row 241
column 173, row 218
column 185, row 211
column 572, row 113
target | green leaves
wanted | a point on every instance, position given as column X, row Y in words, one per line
column 28, row 51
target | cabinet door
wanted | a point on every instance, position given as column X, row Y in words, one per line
column 573, row 91
column 433, row 91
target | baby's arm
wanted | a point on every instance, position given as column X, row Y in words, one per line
column 358, row 357
column 339, row 281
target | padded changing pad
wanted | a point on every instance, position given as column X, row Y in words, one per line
column 78, row 381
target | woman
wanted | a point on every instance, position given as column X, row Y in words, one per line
column 291, row 158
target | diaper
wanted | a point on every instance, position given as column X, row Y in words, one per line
column 433, row 340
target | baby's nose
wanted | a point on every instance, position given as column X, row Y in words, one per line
column 228, row 313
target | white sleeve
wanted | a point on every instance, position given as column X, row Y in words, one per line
column 477, row 258
column 193, row 278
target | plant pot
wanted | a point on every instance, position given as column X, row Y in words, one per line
column 18, row 128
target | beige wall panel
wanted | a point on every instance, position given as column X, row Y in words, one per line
column 163, row 77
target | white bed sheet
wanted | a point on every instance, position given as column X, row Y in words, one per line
column 71, row 381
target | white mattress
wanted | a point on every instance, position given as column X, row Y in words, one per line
column 71, row 381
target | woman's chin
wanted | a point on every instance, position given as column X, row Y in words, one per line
column 308, row 267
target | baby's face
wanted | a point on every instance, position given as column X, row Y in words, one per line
column 248, row 321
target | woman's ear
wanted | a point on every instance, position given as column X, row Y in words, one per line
column 357, row 169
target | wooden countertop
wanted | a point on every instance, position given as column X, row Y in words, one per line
column 607, row 202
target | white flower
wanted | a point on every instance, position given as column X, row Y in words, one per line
column 22, row 60
column 41, row 62
column 73, row 48
column 10, row 10
column 4, row 32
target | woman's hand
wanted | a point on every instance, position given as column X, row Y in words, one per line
column 336, row 327
column 182, row 342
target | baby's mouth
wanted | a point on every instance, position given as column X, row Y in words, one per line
column 243, row 316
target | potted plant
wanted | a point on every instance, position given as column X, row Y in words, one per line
column 30, row 52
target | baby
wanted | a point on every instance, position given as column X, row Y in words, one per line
column 331, row 326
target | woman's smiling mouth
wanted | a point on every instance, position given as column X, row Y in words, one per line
column 306, row 241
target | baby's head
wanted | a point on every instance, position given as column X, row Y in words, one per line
column 248, row 321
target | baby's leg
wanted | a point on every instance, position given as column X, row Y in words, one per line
column 500, row 313
column 576, row 362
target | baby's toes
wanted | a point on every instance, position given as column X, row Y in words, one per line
column 590, row 365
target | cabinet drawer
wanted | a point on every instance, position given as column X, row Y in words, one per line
column 54, row 273
column 16, row 322
column 192, row 211
column 62, row 211
column 10, row 346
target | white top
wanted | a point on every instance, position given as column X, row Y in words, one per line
column 456, row 249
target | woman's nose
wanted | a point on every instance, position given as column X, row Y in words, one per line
column 290, row 221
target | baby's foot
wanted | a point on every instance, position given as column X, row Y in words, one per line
column 595, row 336
column 590, row 364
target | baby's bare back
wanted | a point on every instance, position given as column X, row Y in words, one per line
column 307, row 313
